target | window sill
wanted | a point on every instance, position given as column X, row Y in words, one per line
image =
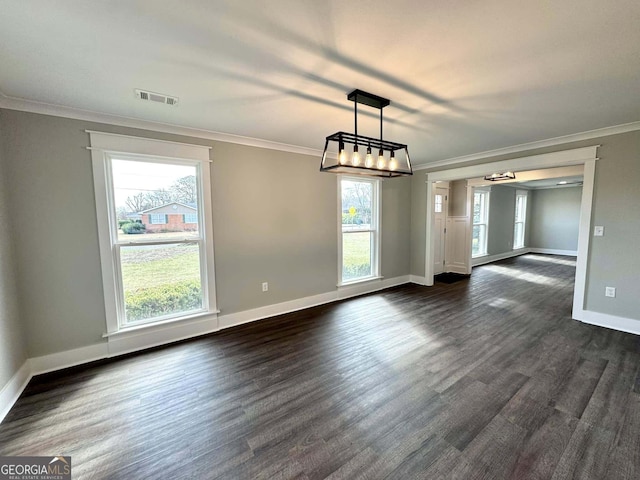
column 359, row 281
column 150, row 327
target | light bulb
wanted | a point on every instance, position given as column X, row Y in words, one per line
column 393, row 163
column 342, row 156
column 368, row 162
column 355, row 159
column 381, row 162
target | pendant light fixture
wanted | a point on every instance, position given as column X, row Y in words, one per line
column 496, row 177
column 392, row 158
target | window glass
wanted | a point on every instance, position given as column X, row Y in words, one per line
column 438, row 203
column 520, row 219
column 160, row 280
column 359, row 227
column 156, row 196
column 480, row 223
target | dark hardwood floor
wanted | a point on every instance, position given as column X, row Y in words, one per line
column 485, row 378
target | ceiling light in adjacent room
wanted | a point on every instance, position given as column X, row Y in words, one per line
column 496, row 177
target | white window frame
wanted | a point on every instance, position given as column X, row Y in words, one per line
column 104, row 148
column 522, row 194
column 487, row 192
column 375, row 228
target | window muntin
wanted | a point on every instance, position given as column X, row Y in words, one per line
column 480, row 223
column 520, row 219
column 359, row 228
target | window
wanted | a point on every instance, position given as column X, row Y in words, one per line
column 520, row 219
column 157, row 218
column 155, row 268
column 480, row 222
column 190, row 218
column 359, row 229
column 438, row 203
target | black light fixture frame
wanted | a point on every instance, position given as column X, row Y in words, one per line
column 496, row 177
column 377, row 144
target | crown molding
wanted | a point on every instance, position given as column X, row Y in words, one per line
column 13, row 103
column 551, row 142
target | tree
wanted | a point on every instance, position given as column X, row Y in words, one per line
column 184, row 190
column 157, row 198
column 137, row 203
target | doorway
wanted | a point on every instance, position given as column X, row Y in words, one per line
column 586, row 156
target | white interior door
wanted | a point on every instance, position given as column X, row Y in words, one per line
column 440, row 202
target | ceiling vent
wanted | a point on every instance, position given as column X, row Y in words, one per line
column 156, row 97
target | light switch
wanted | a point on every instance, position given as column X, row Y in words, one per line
column 598, row 231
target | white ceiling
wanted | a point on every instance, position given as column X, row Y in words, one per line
column 463, row 76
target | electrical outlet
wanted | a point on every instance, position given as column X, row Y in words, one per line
column 265, row 286
column 610, row 292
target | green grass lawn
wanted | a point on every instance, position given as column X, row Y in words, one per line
column 160, row 280
column 356, row 255
column 147, row 267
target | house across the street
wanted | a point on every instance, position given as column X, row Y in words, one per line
column 170, row 217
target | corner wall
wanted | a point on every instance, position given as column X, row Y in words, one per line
column 555, row 218
column 13, row 351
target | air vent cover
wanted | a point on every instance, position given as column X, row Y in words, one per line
column 156, row 97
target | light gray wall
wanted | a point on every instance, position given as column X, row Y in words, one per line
column 555, row 218
column 612, row 259
column 418, row 222
column 13, row 351
column 396, row 226
column 274, row 220
column 458, row 198
column 502, row 210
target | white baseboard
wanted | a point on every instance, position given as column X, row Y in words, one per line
column 554, row 251
column 133, row 341
column 460, row 270
column 68, row 358
column 370, row 287
column 13, row 389
column 342, row 293
column 613, row 322
column 418, row 280
column 499, row 256
column 247, row 316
